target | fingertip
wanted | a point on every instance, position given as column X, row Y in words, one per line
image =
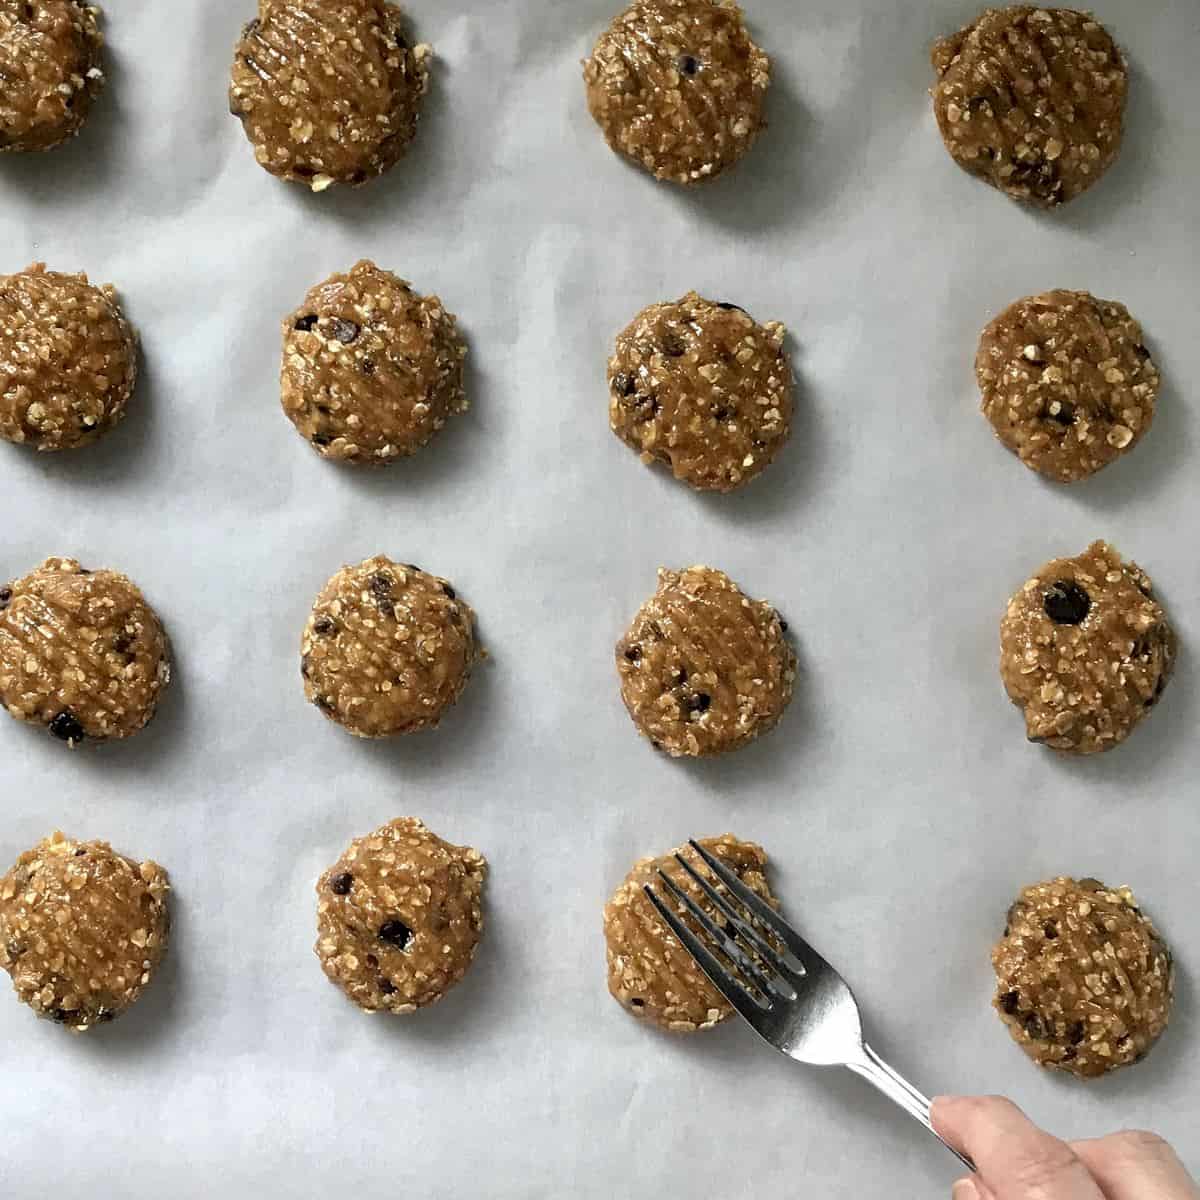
column 965, row 1189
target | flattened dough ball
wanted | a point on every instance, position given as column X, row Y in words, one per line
column 81, row 653
column 1084, row 982
column 68, row 359
column 328, row 91
column 371, row 369
column 387, row 649
column 649, row 973
column 82, row 929
column 702, row 388
column 50, row 62
column 399, row 917
column 704, row 670
column 1086, row 651
column 1032, row 101
column 677, row 86
column 1067, row 383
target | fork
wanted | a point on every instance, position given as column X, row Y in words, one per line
column 788, row 993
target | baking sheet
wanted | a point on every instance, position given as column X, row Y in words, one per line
column 898, row 799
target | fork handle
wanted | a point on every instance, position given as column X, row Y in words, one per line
column 896, row 1088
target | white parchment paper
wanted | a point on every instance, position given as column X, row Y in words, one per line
column 899, row 799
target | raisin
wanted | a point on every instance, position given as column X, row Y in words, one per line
column 66, row 727
column 673, row 345
column 634, row 654
column 324, row 626
column 1050, row 929
column 679, row 677
column 6, row 595
column 346, row 332
column 341, row 883
column 449, row 591
column 387, row 987
column 382, row 584
column 367, row 366
column 1065, row 415
column 1141, row 352
column 123, row 641
column 783, row 626
column 623, row 385
column 1010, row 1002
column 1033, row 1025
column 637, row 1002
column 306, row 323
column 699, row 703
column 1076, row 1033
column 721, row 415
column 395, row 933
column 1066, row 603
column 688, row 64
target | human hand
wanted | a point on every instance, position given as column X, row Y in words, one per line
column 1018, row 1161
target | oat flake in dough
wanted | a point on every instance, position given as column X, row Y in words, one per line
column 677, row 86
column 1086, row 651
column 399, row 917
column 82, row 929
column 649, row 973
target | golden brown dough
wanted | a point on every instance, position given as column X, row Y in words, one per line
column 1084, row 982
column 371, row 369
column 649, row 973
column 399, row 917
column 68, row 359
column 677, row 86
column 387, row 649
column 1086, row 651
column 328, row 91
column 50, row 65
column 704, row 670
column 81, row 652
column 702, row 388
column 82, row 929
column 1032, row 101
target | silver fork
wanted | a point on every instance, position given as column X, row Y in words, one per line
column 793, row 999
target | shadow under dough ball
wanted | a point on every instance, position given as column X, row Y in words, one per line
column 328, row 91
column 371, row 369
column 677, row 86
column 702, row 388
column 50, row 64
column 1084, row 982
column 82, row 929
column 399, row 917
column 388, row 649
column 704, row 669
column 1067, row 383
column 68, row 359
column 1032, row 101
column 649, row 973
column 1086, row 651
column 81, row 653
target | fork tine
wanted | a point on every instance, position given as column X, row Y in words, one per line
column 806, row 955
column 741, row 999
column 764, row 950
column 737, row 956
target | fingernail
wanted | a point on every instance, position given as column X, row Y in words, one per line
column 965, row 1189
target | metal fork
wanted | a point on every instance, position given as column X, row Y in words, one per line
column 787, row 992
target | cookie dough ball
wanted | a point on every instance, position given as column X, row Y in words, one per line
column 1083, row 979
column 371, row 369
column 704, row 669
column 399, row 917
column 677, row 86
column 81, row 653
column 82, row 929
column 1032, row 101
column 1086, row 650
column 649, row 973
column 50, row 65
column 1067, row 383
column 387, row 649
column 68, row 359
column 328, row 91
column 701, row 387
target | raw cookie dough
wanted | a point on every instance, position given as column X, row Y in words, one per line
column 1067, row 383
column 81, row 652
column 1086, row 650
column 649, row 972
column 328, row 91
column 371, row 369
column 677, row 86
column 701, row 387
column 50, row 67
column 1032, row 101
column 388, row 649
column 1083, row 979
column 399, row 917
column 68, row 359
column 82, row 929
column 704, row 669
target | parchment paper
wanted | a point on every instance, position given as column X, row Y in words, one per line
column 899, row 799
